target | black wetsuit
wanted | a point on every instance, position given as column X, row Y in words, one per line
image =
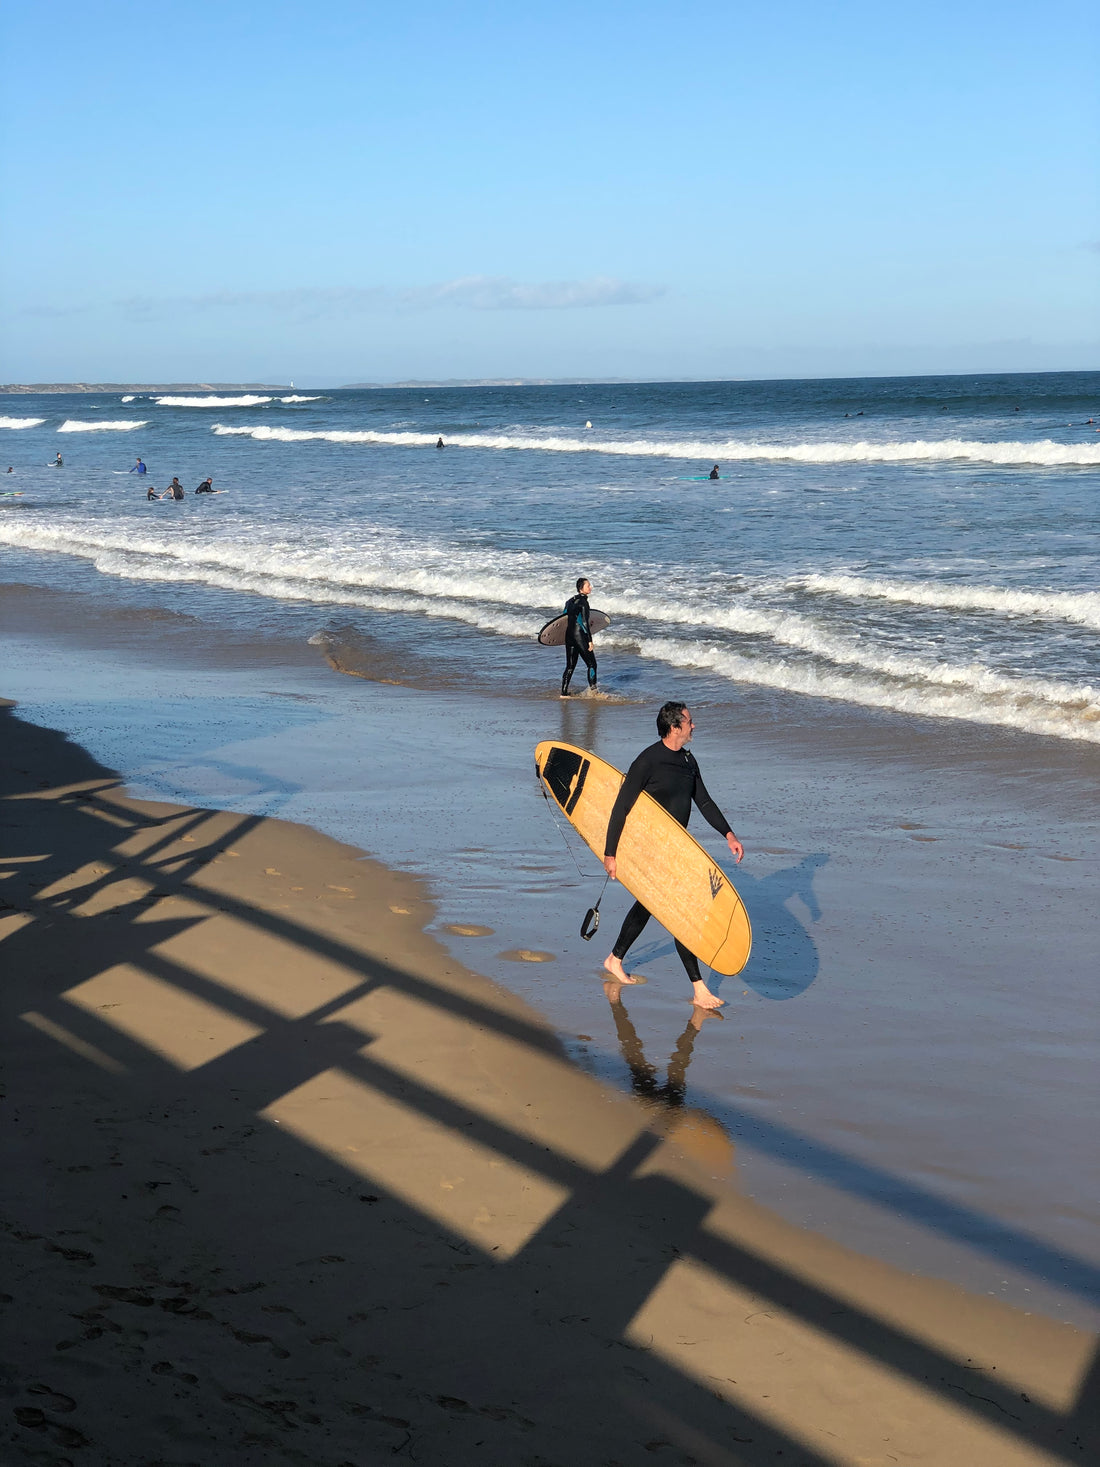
column 578, row 641
column 205, row 487
column 713, row 474
column 672, row 777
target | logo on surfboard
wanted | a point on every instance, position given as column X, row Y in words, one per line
column 716, row 883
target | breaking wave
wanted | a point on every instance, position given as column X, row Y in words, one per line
column 1082, row 607
column 1045, row 452
column 249, row 400
column 297, row 397
column 733, row 637
column 21, row 422
column 120, row 425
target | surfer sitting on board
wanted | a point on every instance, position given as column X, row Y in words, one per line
column 668, row 772
column 714, row 473
column 152, row 492
column 578, row 636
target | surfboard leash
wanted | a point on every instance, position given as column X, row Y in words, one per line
column 590, row 925
column 554, row 821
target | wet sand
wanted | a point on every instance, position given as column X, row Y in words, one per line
column 285, row 1182
column 908, row 1063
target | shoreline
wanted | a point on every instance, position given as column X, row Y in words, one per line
column 320, row 1188
column 856, row 839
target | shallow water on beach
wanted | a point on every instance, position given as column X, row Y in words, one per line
column 886, row 626
column 908, row 1062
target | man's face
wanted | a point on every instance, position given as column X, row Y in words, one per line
column 586, row 589
column 687, row 725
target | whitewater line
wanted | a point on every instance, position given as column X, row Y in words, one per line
column 1044, row 453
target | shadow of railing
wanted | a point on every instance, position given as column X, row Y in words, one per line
column 599, row 1254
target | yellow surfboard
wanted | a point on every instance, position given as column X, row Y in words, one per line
column 659, row 863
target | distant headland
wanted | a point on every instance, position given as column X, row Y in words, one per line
column 144, row 386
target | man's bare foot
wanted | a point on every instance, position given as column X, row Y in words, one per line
column 614, row 966
column 702, row 997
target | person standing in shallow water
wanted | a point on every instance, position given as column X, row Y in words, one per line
column 667, row 771
column 578, row 637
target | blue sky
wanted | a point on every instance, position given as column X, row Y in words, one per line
column 367, row 192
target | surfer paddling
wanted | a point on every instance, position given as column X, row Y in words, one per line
column 667, row 771
column 578, row 637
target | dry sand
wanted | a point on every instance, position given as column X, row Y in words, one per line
column 285, row 1183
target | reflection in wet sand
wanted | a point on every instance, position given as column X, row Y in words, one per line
column 697, row 1132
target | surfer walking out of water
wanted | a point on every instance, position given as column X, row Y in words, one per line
column 578, row 637
column 667, row 771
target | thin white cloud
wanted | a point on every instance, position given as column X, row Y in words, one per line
column 498, row 293
column 471, row 292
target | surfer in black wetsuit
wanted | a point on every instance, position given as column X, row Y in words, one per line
column 714, row 474
column 206, row 487
column 668, row 772
column 578, row 637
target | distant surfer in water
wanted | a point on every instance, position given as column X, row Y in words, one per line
column 206, row 487
column 139, row 468
column 439, row 443
column 668, row 772
column 714, row 474
column 58, row 463
column 578, row 637
column 174, row 490
column 151, row 492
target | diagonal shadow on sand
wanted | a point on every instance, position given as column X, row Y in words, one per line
column 188, row 1210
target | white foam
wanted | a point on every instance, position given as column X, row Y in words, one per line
column 128, row 399
column 1079, row 720
column 21, row 422
column 1044, row 452
column 297, row 397
column 249, row 400
column 121, row 425
column 1082, row 607
column 388, row 572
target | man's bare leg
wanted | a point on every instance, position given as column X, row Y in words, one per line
column 614, row 966
column 702, row 997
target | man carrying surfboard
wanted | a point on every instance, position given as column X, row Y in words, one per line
column 578, row 637
column 667, row 771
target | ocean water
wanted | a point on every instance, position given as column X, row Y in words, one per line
column 925, row 547
column 885, row 624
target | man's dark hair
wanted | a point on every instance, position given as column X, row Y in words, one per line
column 669, row 718
column 581, row 581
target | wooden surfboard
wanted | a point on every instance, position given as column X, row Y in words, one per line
column 659, row 863
column 553, row 633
